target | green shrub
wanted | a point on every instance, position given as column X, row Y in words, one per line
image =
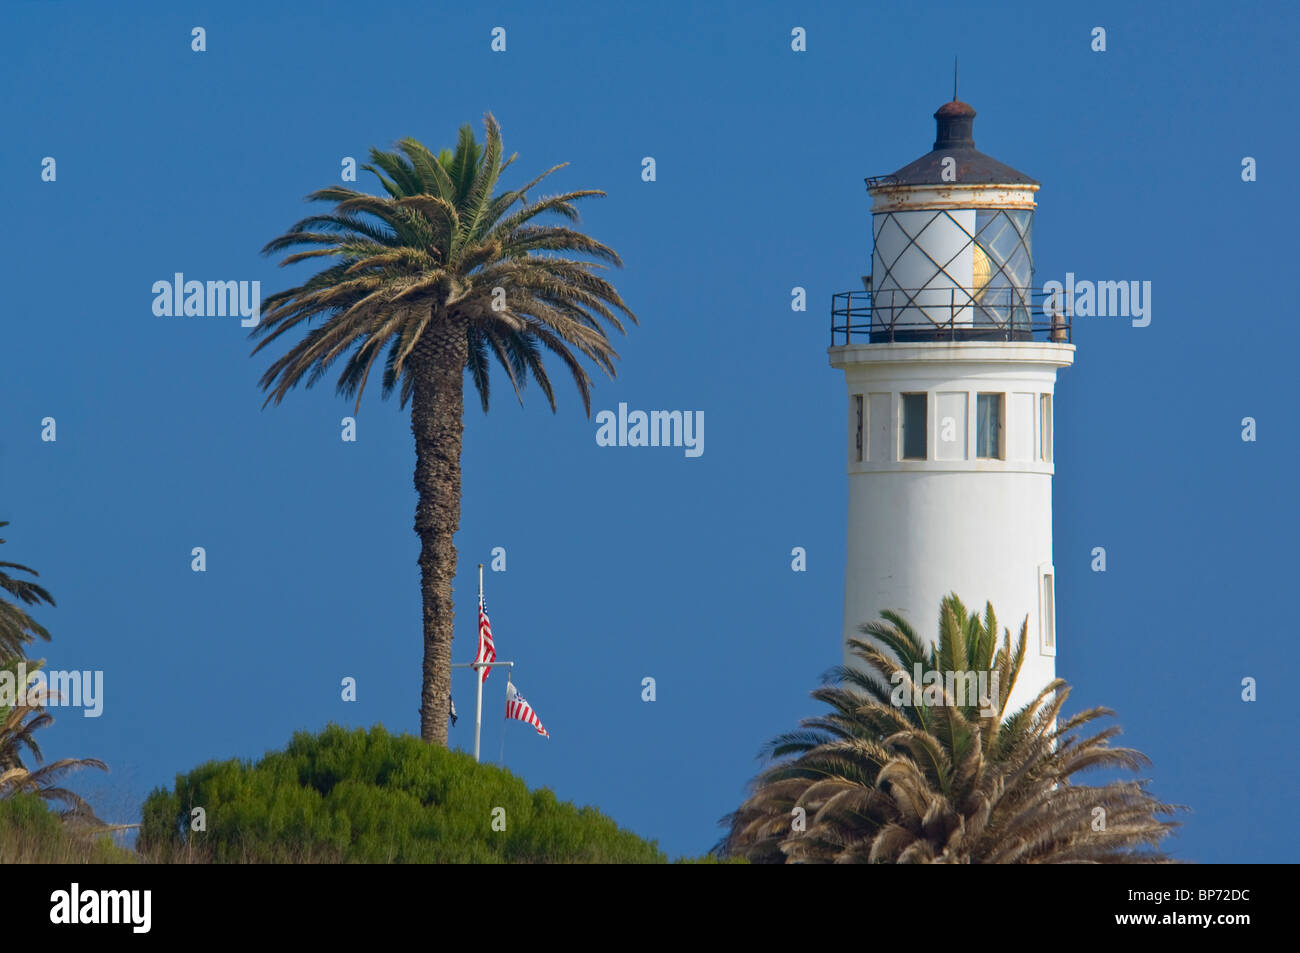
column 30, row 833
column 370, row 797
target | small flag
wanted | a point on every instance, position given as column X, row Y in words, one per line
column 519, row 709
column 487, row 650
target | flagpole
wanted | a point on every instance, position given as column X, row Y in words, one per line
column 480, row 666
column 478, row 675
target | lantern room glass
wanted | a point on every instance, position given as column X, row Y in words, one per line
column 968, row 271
column 1004, row 266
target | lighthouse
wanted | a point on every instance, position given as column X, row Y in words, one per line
column 950, row 360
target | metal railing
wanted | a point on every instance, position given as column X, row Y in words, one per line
column 892, row 315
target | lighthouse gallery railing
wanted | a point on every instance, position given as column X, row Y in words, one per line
column 897, row 315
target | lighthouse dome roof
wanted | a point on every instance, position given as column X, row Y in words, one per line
column 954, row 139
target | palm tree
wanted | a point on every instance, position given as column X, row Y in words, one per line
column 17, row 628
column 18, row 722
column 889, row 776
column 17, row 726
column 440, row 276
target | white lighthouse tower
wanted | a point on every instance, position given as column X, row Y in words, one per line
column 950, row 361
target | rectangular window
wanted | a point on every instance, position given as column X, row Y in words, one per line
column 1049, row 615
column 857, row 410
column 988, row 426
column 1045, row 427
column 915, row 436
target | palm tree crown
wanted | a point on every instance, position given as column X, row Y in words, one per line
column 892, row 776
column 17, row 628
column 19, row 720
column 18, row 724
column 441, row 246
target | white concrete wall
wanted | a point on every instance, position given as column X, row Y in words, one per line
column 918, row 529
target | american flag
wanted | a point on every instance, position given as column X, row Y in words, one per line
column 520, row 710
column 487, row 650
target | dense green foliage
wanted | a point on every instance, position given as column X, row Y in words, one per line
column 371, row 797
column 30, row 833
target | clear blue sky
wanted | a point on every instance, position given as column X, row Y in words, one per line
column 626, row 563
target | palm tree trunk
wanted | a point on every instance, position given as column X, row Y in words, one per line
column 437, row 422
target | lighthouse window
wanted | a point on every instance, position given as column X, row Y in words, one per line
column 914, row 430
column 1049, row 616
column 988, row 426
column 1045, row 427
column 857, row 410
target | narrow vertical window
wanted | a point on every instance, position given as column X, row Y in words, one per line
column 988, row 426
column 857, row 410
column 1049, row 616
column 915, row 437
column 1045, row 427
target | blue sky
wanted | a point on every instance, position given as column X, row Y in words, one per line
column 627, row 563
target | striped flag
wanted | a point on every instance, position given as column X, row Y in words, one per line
column 487, row 650
column 519, row 709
